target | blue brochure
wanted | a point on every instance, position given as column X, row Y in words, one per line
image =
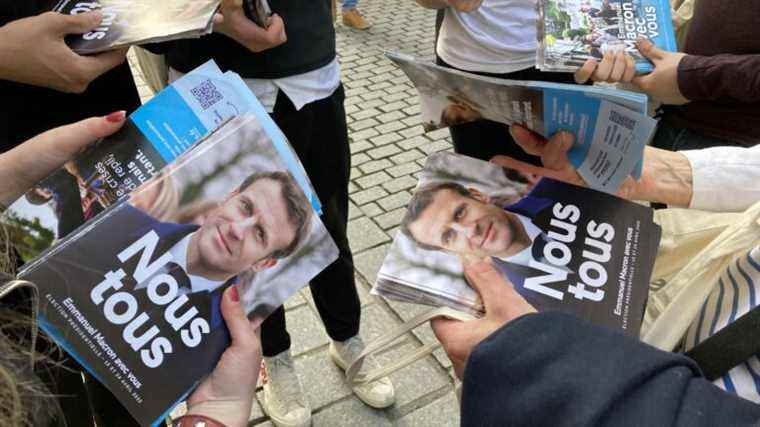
column 133, row 243
column 571, row 32
column 611, row 127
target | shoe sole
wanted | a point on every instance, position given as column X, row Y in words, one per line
column 368, row 401
column 276, row 421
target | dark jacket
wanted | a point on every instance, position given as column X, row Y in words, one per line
column 721, row 73
column 555, row 370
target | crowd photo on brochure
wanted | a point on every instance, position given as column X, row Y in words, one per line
column 228, row 213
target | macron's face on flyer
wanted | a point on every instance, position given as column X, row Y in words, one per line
column 248, row 227
column 467, row 226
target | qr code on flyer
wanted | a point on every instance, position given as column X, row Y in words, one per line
column 206, row 94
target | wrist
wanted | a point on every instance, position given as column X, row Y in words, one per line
column 666, row 178
column 231, row 413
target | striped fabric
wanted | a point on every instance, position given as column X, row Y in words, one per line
column 737, row 291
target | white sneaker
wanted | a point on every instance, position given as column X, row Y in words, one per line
column 377, row 394
column 283, row 400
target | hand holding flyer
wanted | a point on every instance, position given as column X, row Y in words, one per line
column 133, row 243
column 610, row 127
column 561, row 247
column 502, row 305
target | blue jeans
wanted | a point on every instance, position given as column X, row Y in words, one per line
column 349, row 4
column 669, row 137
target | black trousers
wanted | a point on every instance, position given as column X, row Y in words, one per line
column 319, row 135
column 484, row 139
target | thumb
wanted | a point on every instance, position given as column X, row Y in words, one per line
column 445, row 329
column 102, row 62
column 67, row 141
column 77, row 24
column 531, row 142
column 649, row 50
column 487, row 281
column 241, row 330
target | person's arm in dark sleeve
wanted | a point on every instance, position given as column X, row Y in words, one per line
column 725, row 78
column 553, row 369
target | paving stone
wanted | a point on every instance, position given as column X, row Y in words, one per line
column 385, row 151
column 363, row 124
column 359, row 146
column 363, row 288
column 382, row 84
column 396, row 97
column 407, row 156
column 366, row 114
column 400, row 183
column 414, row 142
column 375, row 165
column 404, row 169
column 436, row 146
column 416, row 380
column 358, row 159
column 413, row 110
column 390, row 219
column 368, row 262
column 371, row 209
column 363, row 233
column 294, row 301
column 350, row 413
column 413, row 131
column 352, row 187
column 390, row 127
column 322, row 381
column 398, row 88
column 306, row 330
column 412, row 121
column 375, row 103
column 439, row 134
column 443, row 412
column 393, row 116
column 386, row 138
column 353, row 211
column 393, row 106
column 368, row 195
column 364, row 134
column 395, row 201
column 373, row 180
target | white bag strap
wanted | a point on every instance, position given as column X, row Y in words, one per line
column 390, row 337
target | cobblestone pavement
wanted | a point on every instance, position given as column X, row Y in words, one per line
column 388, row 148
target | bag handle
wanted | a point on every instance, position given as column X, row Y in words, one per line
column 389, row 338
column 729, row 347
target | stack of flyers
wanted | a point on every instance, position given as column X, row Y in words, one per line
column 573, row 31
column 136, row 22
column 560, row 246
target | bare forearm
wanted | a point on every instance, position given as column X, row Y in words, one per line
column 667, row 178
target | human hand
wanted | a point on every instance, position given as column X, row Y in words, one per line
column 33, row 51
column 502, row 304
column 38, row 157
column 616, row 66
column 227, row 393
column 464, row 5
column 233, row 23
column 556, row 165
column 662, row 83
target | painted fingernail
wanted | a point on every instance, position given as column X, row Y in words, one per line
column 234, row 296
column 116, row 116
